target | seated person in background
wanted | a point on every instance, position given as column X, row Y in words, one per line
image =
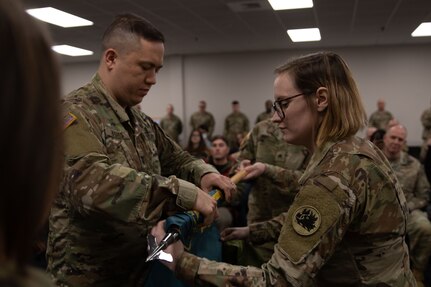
column 224, row 164
column 32, row 144
column 220, row 158
column 377, row 138
column 369, row 132
column 346, row 226
column 416, row 189
column 196, row 146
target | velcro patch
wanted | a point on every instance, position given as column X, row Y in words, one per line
column 313, row 213
column 68, row 119
column 306, row 220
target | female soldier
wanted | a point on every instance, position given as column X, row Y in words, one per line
column 347, row 224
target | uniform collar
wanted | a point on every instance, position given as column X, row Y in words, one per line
column 118, row 110
column 402, row 160
column 315, row 160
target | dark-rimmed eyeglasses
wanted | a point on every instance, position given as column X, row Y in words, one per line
column 280, row 105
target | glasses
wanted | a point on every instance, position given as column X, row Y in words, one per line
column 280, row 105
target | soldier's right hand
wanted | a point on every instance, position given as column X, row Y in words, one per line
column 233, row 233
column 207, row 206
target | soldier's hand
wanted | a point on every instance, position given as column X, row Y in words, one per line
column 176, row 249
column 254, row 170
column 210, row 180
column 207, row 206
column 233, row 233
column 243, row 164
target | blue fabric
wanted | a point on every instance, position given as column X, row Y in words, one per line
column 205, row 243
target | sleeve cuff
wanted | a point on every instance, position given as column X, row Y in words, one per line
column 187, row 193
column 271, row 170
column 207, row 169
column 187, row 267
column 257, row 233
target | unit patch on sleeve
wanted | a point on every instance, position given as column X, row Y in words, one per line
column 306, row 220
column 69, row 118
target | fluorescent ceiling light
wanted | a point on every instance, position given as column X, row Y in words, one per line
column 71, row 51
column 58, row 17
column 290, row 4
column 304, row 35
column 422, row 30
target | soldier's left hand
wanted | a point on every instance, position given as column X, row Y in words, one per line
column 254, row 170
column 176, row 249
column 210, row 180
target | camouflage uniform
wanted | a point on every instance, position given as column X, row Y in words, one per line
column 172, row 126
column 346, row 227
column 426, row 123
column 114, row 190
column 265, row 144
column 199, row 119
column 426, row 133
column 268, row 198
column 380, row 119
column 416, row 189
column 234, row 124
column 263, row 116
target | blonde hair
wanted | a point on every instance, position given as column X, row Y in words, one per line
column 345, row 114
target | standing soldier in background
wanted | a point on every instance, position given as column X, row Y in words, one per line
column 171, row 124
column 416, row 189
column 381, row 117
column 235, row 123
column 267, row 114
column 268, row 198
column 426, row 133
column 122, row 173
column 202, row 118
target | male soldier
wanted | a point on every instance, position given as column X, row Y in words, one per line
column 122, row 173
column 426, row 133
column 380, row 118
column 234, row 124
column 268, row 199
column 171, row 124
column 267, row 114
column 202, row 118
column 225, row 164
column 220, row 158
column 416, row 188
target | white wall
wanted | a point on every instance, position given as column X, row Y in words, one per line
column 398, row 74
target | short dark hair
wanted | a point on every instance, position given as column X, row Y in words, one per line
column 127, row 27
column 219, row 137
column 235, row 102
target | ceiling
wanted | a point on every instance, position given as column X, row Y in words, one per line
column 214, row 26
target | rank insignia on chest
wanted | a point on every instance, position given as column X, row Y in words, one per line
column 306, row 220
column 68, row 119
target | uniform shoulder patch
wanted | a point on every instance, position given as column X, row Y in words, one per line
column 306, row 220
column 68, row 119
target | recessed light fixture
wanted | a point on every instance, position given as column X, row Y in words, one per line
column 304, row 35
column 423, row 30
column 71, row 51
column 58, row 17
column 290, row 4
